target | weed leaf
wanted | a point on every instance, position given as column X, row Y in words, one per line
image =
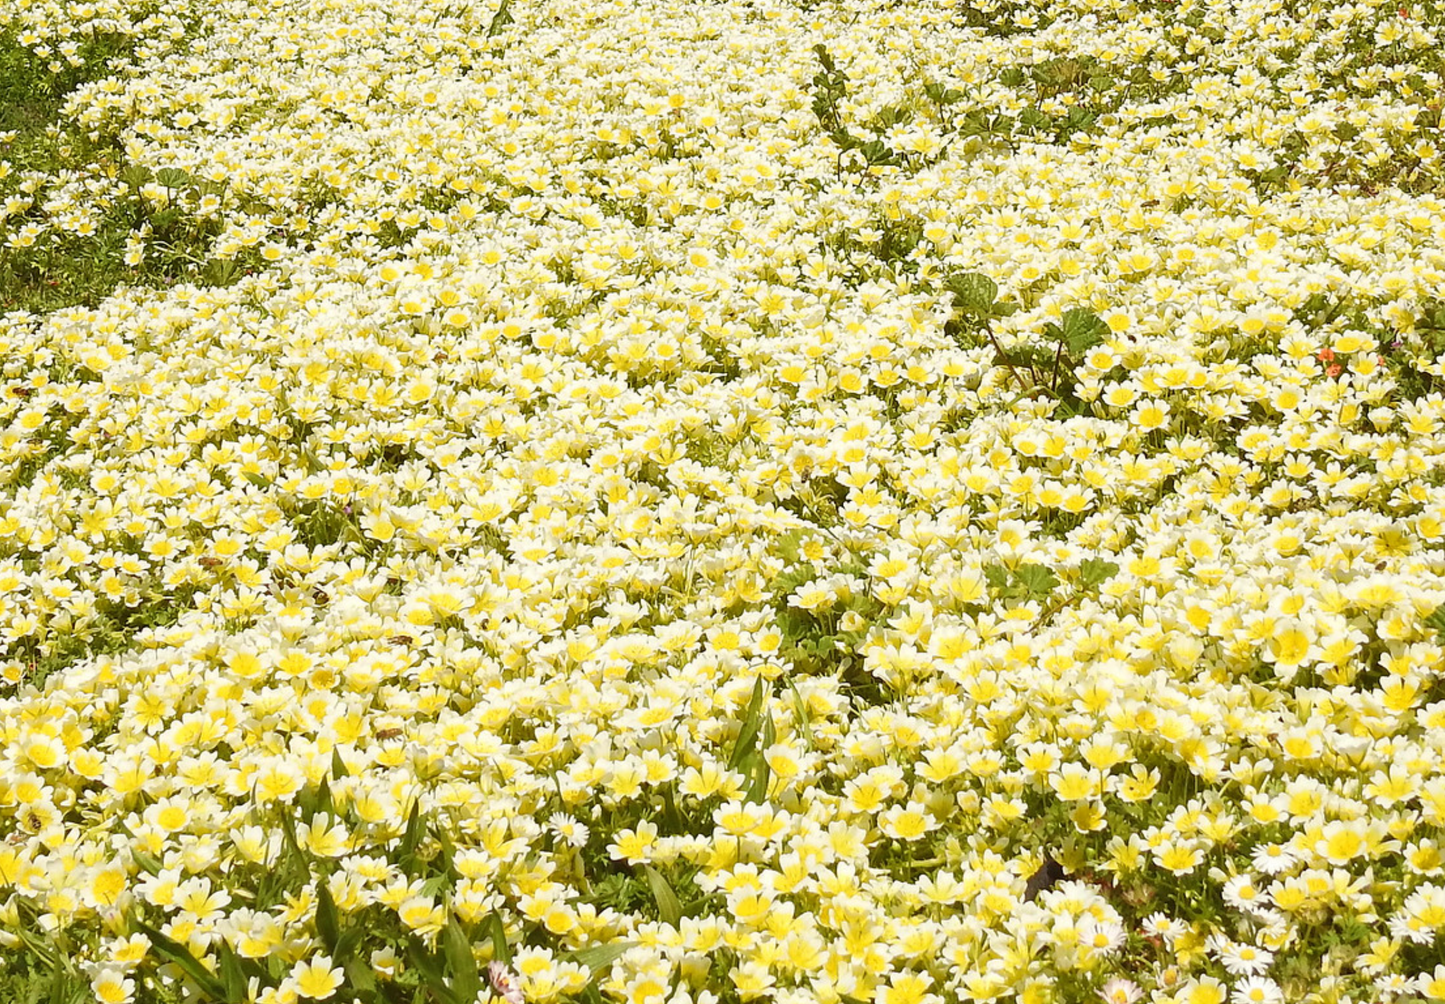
column 669, row 907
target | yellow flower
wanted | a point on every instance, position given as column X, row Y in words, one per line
column 317, row 979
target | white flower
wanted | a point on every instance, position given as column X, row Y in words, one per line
column 1244, row 960
column 567, row 828
column 1120, row 991
column 1274, row 858
column 1257, row 990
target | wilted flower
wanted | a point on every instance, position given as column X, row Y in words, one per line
column 505, row 983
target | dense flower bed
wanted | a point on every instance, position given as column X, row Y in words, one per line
column 897, row 502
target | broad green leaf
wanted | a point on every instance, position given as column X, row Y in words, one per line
column 669, row 907
column 1095, row 572
column 997, row 576
column 256, row 479
column 136, row 175
column 1081, row 330
column 457, row 947
column 1037, row 579
column 347, row 942
column 973, row 292
column 172, row 177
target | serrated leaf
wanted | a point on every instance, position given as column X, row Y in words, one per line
column 996, row 575
column 1037, row 579
column 172, row 177
column 601, row 955
column 136, row 175
column 669, row 907
column 1081, row 329
column 327, row 924
column 466, row 981
column 1095, row 572
column 973, row 292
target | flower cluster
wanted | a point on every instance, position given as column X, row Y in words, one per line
column 960, row 521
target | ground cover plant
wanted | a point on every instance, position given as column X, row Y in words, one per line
column 692, row 503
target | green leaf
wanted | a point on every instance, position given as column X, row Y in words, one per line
column 172, row 177
column 146, row 861
column 501, row 951
column 136, row 175
column 752, row 721
column 1081, row 330
column 232, row 975
column 997, row 576
column 1037, row 579
column 457, row 947
column 359, row 977
column 1033, row 118
column 448, row 849
column 602, row 955
column 256, row 479
column 177, row 953
column 973, row 292
column 327, row 925
column 760, row 772
column 429, row 969
column 800, row 709
column 338, row 766
column 288, row 833
column 347, row 942
column 1094, row 572
column 411, row 837
column 669, row 907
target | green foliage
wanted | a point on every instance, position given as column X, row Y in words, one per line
column 1021, row 583
column 756, row 733
column 830, row 88
column 669, row 907
column 43, row 267
column 1436, row 621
